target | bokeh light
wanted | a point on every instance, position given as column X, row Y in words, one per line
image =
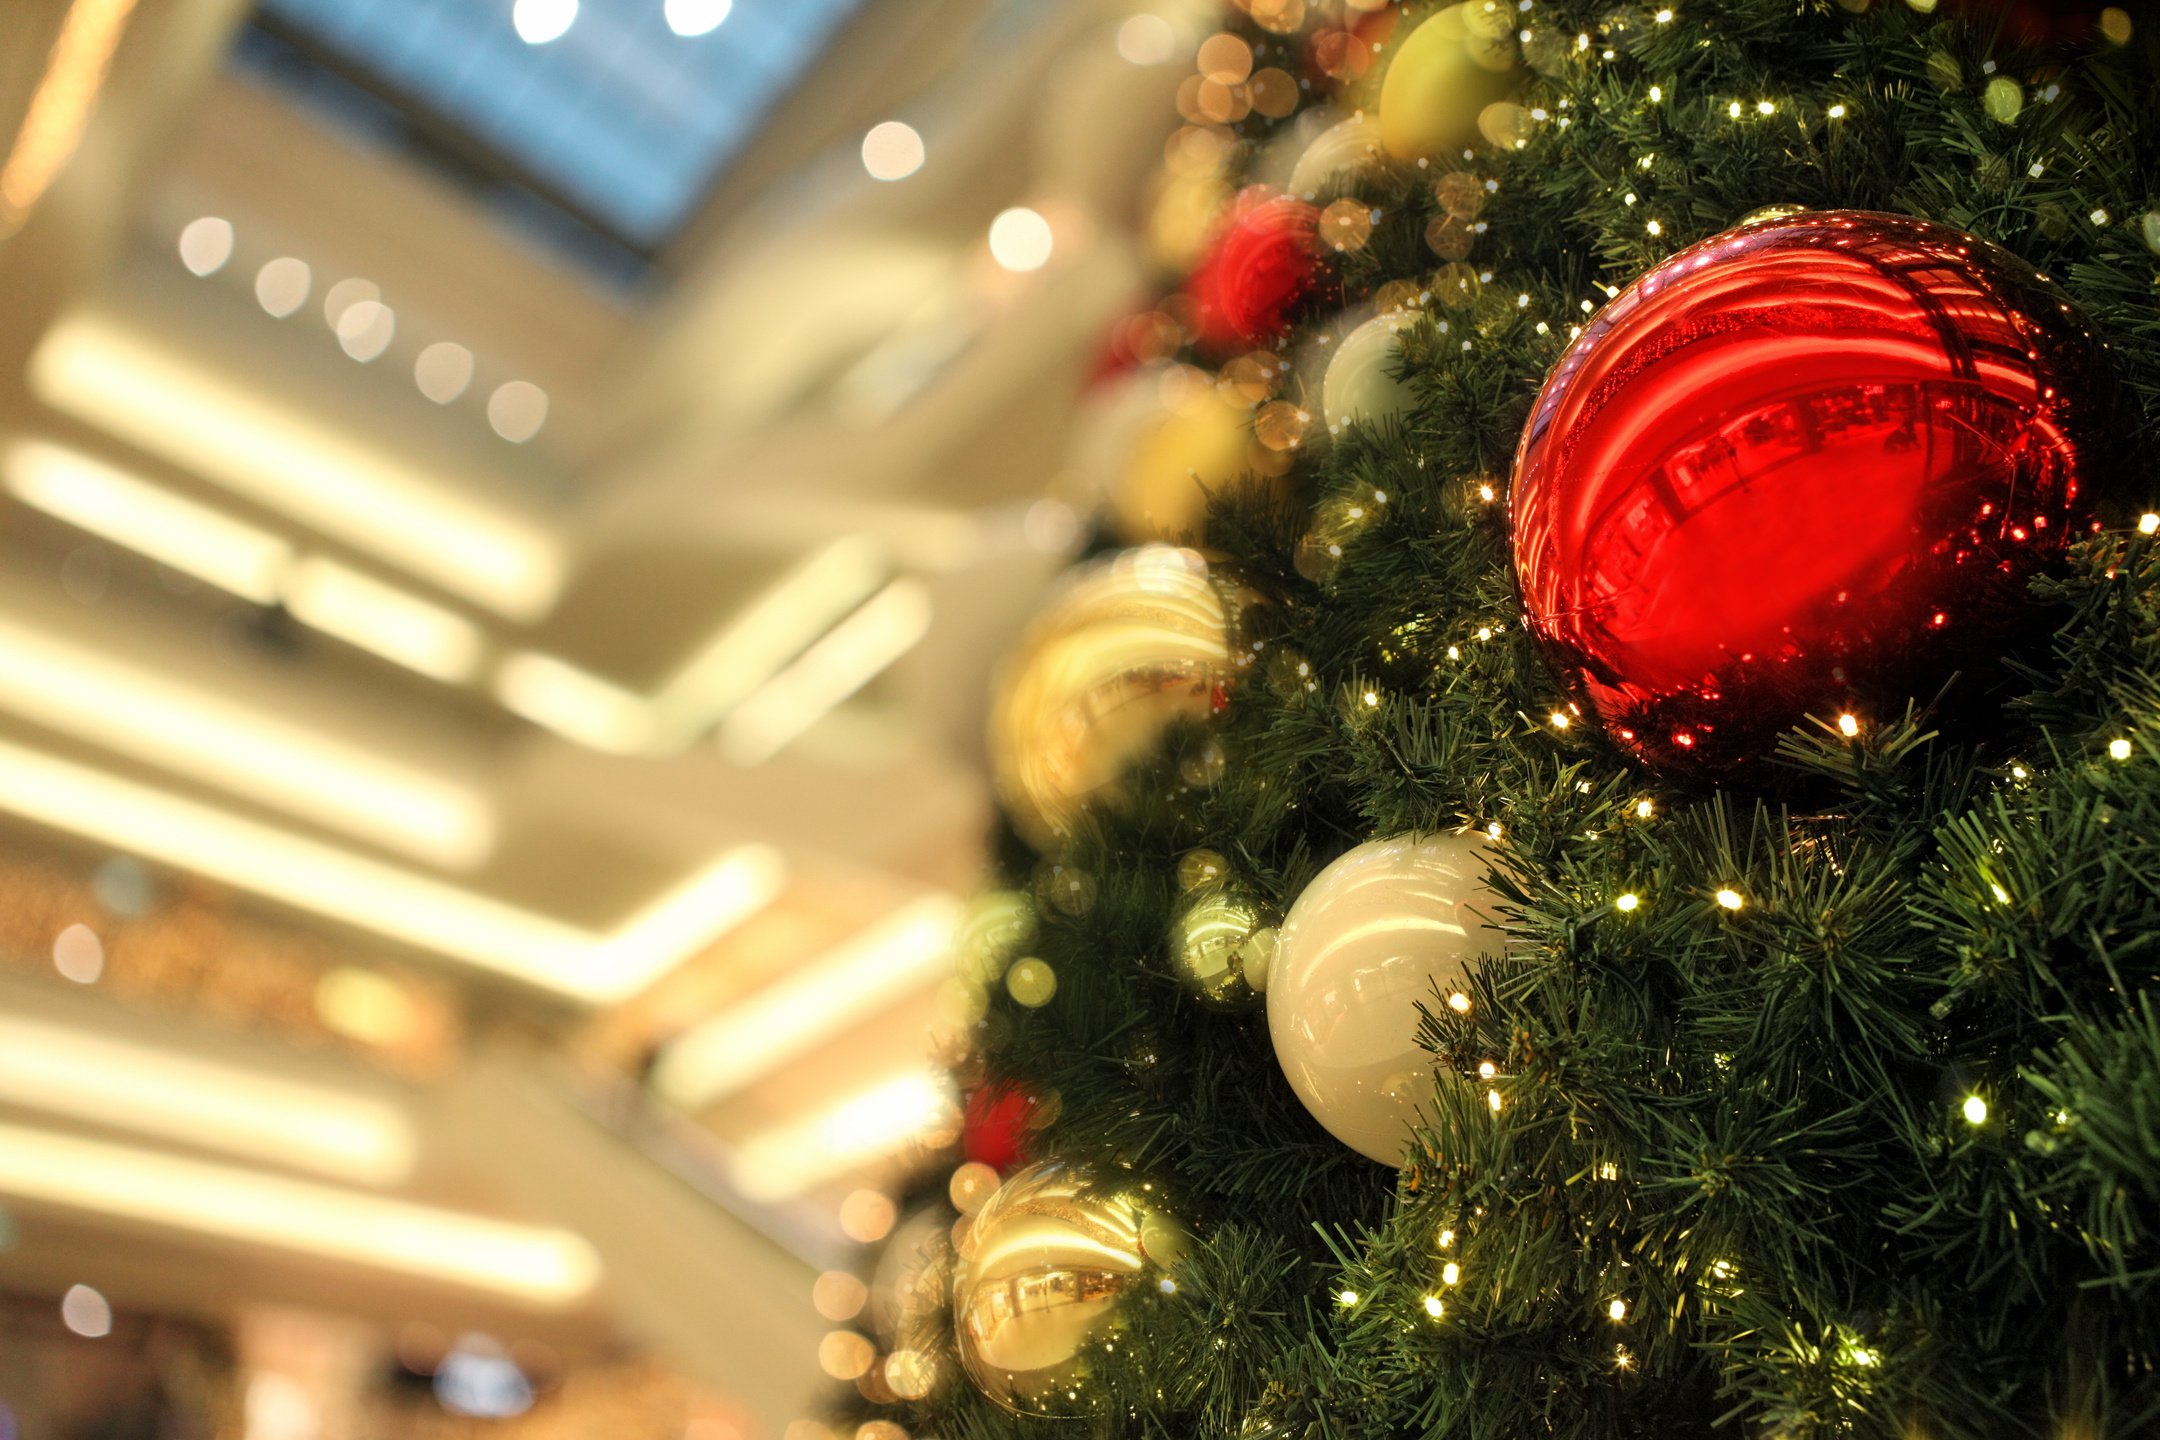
column 1146, row 39
column 839, row 1296
column 345, row 294
column 1020, row 239
column 691, row 18
column 79, row 955
column 539, row 21
column 206, row 244
column 517, row 410
column 282, row 285
column 443, row 371
column 844, row 1355
column 86, row 1312
column 365, row 329
column 867, row 1216
column 892, row 151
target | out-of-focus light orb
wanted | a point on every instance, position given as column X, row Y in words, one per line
column 867, row 1216
column 282, row 285
column 971, row 1185
column 838, row 1295
column 124, row 887
column 366, row 328
column 539, row 21
column 844, row 1355
column 364, row 1005
column 206, row 244
column 278, row 1408
column 344, row 295
column 1146, row 39
column 691, row 18
column 1020, row 239
column 443, row 370
column 1976, row 1110
column 86, row 1312
column 892, row 151
column 517, row 410
column 478, row 1379
column 79, row 955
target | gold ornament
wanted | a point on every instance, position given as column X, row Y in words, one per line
column 1130, row 646
column 1195, row 448
column 1045, row 1270
column 1220, row 941
column 1447, row 71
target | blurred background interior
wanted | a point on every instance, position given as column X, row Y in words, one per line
column 508, row 512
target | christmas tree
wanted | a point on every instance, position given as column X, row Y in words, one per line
column 1782, row 886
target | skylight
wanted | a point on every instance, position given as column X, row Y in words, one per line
column 618, row 114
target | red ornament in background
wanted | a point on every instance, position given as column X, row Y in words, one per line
column 1804, row 467
column 1261, row 265
column 993, row 1129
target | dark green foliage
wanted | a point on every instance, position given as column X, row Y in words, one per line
column 1747, row 1124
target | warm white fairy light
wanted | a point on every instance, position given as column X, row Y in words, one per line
column 1450, row 1273
column 1627, row 903
column 1730, row 898
column 1459, row 1003
column 1494, row 830
column 2148, row 523
column 1655, row 228
column 2119, row 749
column 1617, row 1310
column 1433, row 1307
column 1848, row 725
column 1447, row 1237
column 1492, row 1098
column 1976, row 1110
column 1836, row 112
column 2002, row 896
column 1347, row 1299
column 1644, row 809
column 1487, row 494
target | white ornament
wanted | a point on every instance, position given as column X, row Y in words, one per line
column 1342, row 149
column 1392, row 924
column 1360, row 383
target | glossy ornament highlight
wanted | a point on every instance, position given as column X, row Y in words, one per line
column 1222, row 945
column 1807, row 466
column 1388, row 926
column 1265, row 261
column 1127, row 647
column 1441, row 76
column 1045, row 1270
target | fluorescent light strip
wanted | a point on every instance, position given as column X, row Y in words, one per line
column 242, row 1111
column 689, row 918
column 857, row 650
column 573, row 703
column 61, row 105
column 128, row 384
column 773, row 630
column 540, row 1266
column 789, row 1159
column 383, row 620
column 193, row 539
column 357, row 891
column 904, row 951
column 83, row 692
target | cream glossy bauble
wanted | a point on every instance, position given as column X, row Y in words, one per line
column 1045, row 1269
column 1360, row 382
column 1449, row 69
column 1386, row 927
column 1342, row 149
column 1126, row 648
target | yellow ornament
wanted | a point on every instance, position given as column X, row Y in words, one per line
column 1449, row 69
column 1045, row 1270
column 1130, row 646
column 1218, row 941
column 1197, row 447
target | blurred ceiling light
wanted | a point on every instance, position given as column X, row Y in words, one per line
column 60, row 106
column 539, row 21
column 282, row 285
column 370, row 895
column 517, row 410
column 1020, row 239
column 366, row 328
column 86, row 1312
column 687, row 919
column 857, row 650
column 1146, row 39
column 235, row 436
column 791, row 1158
column 365, row 1005
column 905, row 951
column 443, row 370
column 113, row 505
column 573, row 703
column 383, row 620
column 772, row 630
column 240, row 747
column 345, row 294
column 892, row 151
column 206, row 244
column 541, row 1266
column 240, row 1110
column 691, row 18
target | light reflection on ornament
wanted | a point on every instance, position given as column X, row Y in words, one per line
column 1217, row 941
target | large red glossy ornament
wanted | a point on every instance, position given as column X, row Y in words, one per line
column 1804, row 467
column 1261, row 265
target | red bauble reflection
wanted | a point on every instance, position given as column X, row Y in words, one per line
column 1803, row 467
column 994, row 1131
column 1260, row 267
